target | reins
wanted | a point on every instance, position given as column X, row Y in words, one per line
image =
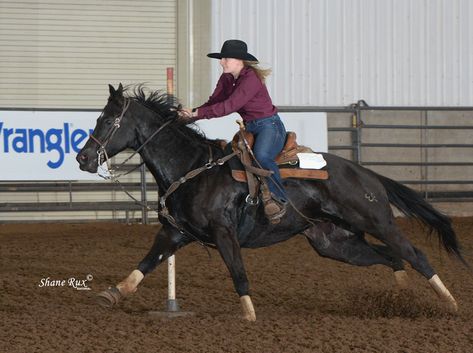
column 269, row 175
column 193, row 173
column 175, row 185
column 163, row 211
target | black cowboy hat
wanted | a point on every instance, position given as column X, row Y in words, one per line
column 233, row 48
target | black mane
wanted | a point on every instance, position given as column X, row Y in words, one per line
column 166, row 106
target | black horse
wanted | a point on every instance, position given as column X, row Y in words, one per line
column 207, row 208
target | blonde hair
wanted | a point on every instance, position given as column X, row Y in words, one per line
column 260, row 72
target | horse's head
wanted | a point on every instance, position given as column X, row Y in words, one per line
column 112, row 134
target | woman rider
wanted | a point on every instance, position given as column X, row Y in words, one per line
column 241, row 88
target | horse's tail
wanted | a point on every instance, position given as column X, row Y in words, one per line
column 413, row 205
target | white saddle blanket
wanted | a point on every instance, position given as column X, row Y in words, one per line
column 311, row 161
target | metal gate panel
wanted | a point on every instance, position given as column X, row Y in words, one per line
column 63, row 53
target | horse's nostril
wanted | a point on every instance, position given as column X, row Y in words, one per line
column 82, row 158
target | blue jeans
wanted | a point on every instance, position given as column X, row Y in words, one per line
column 270, row 136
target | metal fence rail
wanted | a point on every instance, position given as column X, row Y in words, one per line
column 355, row 145
column 73, row 188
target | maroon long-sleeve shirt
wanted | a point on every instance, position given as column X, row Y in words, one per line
column 246, row 95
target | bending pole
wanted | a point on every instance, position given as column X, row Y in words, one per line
column 172, row 307
column 170, row 80
column 172, row 302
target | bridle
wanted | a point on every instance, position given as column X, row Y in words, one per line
column 101, row 152
column 163, row 211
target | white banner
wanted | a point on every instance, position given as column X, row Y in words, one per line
column 42, row 145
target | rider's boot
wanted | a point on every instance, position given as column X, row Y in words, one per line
column 273, row 208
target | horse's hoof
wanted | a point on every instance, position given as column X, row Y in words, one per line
column 452, row 306
column 249, row 317
column 401, row 279
column 109, row 298
column 248, row 309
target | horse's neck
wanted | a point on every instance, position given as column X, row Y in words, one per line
column 169, row 157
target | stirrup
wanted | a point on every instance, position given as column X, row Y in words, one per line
column 252, row 201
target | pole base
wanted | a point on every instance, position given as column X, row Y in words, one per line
column 170, row 314
column 172, row 305
column 172, row 311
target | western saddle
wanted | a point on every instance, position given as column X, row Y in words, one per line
column 242, row 143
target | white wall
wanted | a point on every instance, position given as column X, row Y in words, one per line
column 335, row 52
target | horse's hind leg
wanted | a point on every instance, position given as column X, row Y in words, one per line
column 336, row 243
column 392, row 236
column 167, row 242
column 339, row 244
column 400, row 275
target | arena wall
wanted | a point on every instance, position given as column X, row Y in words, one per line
column 334, row 53
column 62, row 54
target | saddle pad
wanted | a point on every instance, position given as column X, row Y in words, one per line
column 311, row 160
column 296, row 173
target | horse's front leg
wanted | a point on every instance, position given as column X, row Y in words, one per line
column 167, row 242
column 229, row 249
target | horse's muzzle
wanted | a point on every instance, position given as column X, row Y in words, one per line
column 86, row 163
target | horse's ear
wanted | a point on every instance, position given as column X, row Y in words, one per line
column 111, row 89
column 116, row 92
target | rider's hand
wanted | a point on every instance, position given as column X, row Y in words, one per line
column 187, row 115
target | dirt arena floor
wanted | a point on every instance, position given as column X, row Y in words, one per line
column 304, row 303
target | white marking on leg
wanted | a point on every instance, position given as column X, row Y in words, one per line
column 130, row 284
column 248, row 309
column 443, row 292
